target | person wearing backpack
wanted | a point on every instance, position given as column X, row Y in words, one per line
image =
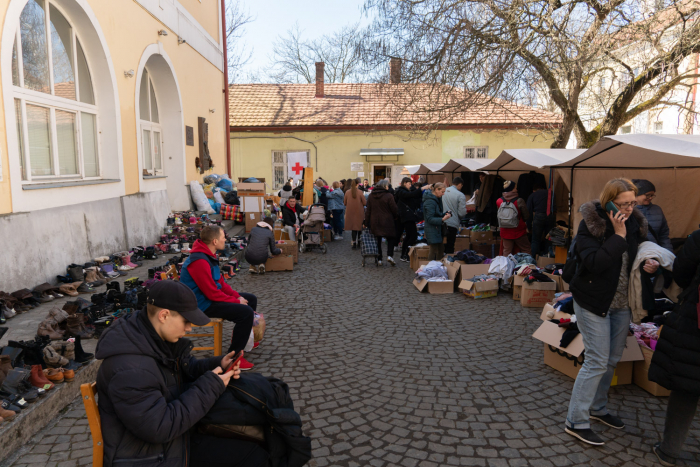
column 606, row 246
column 434, row 220
column 512, row 214
column 676, row 361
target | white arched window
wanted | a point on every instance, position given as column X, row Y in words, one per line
column 55, row 108
column 151, row 131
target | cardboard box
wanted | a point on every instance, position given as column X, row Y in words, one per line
column 537, row 294
column 441, row 287
column 543, row 261
column 243, row 186
column 251, row 219
column 252, row 203
column 290, row 248
column 641, row 375
column 481, row 237
column 563, row 286
column 570, row 366
column 280, row 263
column 517, row 282
column 476, row 290
column 462, row 243
column 417, row 254
column 489, row 249
column 327, row 235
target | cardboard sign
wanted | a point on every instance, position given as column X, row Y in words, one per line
column 280, row 263
column 356, row 166
column 252, row 203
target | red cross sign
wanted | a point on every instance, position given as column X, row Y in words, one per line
column 297, row 169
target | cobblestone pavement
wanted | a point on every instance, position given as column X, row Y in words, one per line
column 386, row 376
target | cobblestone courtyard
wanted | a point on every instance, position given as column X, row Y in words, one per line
column 384, row 375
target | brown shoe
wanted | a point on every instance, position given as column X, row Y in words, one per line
column 64, row 348
column 55, row 375
column 50, row 328
column 68, row 375
column 39, row 380
column 71, row 307
column 53, row 359
column 6, row 414
column 57, row 314
column 5, row 365
column 76, row 327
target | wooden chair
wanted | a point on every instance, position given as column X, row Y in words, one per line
column 218, row 325
column 88, row 391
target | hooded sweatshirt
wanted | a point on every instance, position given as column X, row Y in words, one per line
column 201, row 273
column 151, row 394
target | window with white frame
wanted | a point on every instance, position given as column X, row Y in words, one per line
column 55, row 110
column 151, row 131
column 626, row 130
column 658, row 127
column 280, row 173
column 476, row 152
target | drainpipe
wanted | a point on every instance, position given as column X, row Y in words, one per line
column 227, row 132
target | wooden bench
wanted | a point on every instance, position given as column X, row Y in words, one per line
column 218, row 325
column 88, row 391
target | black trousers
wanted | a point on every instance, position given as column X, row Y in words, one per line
column 390, row 242
column 679, row 416
column 411, row 237
column 209, row 451
column 451, row 238
column 241, row 315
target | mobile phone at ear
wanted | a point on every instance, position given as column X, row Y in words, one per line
column 236, row 358
column 610, row 207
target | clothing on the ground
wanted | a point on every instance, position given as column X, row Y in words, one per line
column 335, row 200
column 600, row 253
column 523, row 215
column 455, row 201
column 408, row 203
column 433, row 214
column 604, row 338
column 431, row 271
column 151, row 394
column 411, row 237
column 659, row 225
column 354, row 210
column 647, row 250
column 381, row 213
column 676, row 361
column 241, row 315
column 522, row 243
column 261, row 241
column 680, row 413
column 200, row 272
column 436, row 251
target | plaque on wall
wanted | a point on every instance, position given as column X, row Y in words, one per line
column 189, row 136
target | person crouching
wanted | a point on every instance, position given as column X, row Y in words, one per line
column 260, row 241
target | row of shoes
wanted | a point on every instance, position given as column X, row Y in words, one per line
column 189, row 218
column 68, row 321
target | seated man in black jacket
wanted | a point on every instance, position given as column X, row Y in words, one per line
column 152, row 392
column 291, row 217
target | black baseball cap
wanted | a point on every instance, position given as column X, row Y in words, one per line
column 176, row 296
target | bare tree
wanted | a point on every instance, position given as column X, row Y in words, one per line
column 598, row 63
column 293, row 57
column 238, row 54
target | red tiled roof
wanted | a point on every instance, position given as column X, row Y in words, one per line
column 272, row 106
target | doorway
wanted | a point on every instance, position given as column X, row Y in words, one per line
column 380, row 172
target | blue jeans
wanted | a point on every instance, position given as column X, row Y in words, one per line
column 604, row 339
column 338, row 221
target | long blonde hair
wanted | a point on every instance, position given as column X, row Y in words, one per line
column 614, row 187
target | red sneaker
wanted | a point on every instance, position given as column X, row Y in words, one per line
column 246, row 365
column 256, row 345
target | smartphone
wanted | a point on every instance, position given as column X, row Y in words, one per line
column 236, row 358
column 610, row 207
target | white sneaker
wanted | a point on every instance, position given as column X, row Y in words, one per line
column 379, row 263
column 390, row 260
column 261, row 268
column 337, row 237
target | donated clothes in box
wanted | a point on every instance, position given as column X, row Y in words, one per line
column 476, row 290
column 438, row 287
column 569, row 360
column 537, row 294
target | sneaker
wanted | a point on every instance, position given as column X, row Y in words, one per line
column 586, row 435
column 353, row 245
column 663, row 458
column 256, row 345
column 337, row 237
column 379, row 263
column 390, row 260
column 246, row 365
column 261, row 268
column 253, row 270
column 610, row 420
column 405, row 258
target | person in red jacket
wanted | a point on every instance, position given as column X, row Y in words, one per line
column 215, row 297
column 518, row 235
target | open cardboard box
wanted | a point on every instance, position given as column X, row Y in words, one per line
column 417, row 254
column 280, row 263
column 641, row 375
column 441, row 287
column 248, row 186
column 481, row 237
column 290, row 248
column 543, row 261
column 476, row 290
column 537, row 294
column 568, row 360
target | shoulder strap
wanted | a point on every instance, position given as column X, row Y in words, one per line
column 653, row 232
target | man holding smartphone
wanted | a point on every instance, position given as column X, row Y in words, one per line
column 152, row 392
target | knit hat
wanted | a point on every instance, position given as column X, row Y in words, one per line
column 643, row 186
column 508, row 186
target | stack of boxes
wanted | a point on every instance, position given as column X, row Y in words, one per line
column 252, row 196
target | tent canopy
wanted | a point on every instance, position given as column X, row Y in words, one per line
column 464, row 165
column 429, row 168
column 640, row 151
column 412, row 169
column 522, row 160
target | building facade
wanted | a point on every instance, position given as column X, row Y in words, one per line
column 101, row 114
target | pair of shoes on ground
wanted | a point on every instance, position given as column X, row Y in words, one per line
column 337, row 237
column 259, row 269
column 405, row 258
column 589, row 436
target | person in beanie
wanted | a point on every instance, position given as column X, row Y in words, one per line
column 658, row 227
column 260, row 241
column 153, row 392
column 215, row 297
column 285, row 193
column 518, row 235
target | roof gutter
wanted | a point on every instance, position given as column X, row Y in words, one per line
column 227, row 122
column 297, row 128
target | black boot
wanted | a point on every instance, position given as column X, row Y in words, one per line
column 81, row 356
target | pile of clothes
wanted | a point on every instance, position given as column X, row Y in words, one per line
column 558, row 235
column 646, row 334
column 469, row 257
column 483, row 278
column 434, row 271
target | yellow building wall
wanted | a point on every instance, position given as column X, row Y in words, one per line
column 128, row 30
column 207, row 13
column 252, row 152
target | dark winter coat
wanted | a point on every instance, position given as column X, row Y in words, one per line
column 260, row 241
column 151, row 393
column 432, row 213
column 657, row 223
column 381, row 213
column 600, row 253
column 676, row 361
column 408, row 202
column 289, row 217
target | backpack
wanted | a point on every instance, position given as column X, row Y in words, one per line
column 570, row 268
column 508, row 215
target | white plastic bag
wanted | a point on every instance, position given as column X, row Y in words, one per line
column 251, row 342
column 218, row 198
column 199, row 198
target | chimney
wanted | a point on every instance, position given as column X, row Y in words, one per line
column 395, row 70
column 319, row 78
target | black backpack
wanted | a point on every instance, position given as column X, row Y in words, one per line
column 571, row 266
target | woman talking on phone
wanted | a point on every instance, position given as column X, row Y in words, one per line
column 606, row 246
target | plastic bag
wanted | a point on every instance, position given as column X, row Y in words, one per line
column 219, row 198
column 212, row 179
column 251, row 342
column 199, row 198
column 226, row 184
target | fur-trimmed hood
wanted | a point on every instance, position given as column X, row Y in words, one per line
column 593, row 215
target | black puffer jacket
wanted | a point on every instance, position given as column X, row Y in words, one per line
column 289, row 217
column 676, row 361
column 408, row 202
column 600, row 252
column 151, row 393
column 260, row 241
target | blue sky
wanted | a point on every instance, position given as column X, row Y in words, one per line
column 274, row 17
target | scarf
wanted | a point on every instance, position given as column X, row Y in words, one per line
column 511, row 195
column 292, row 208
column 264, row 225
